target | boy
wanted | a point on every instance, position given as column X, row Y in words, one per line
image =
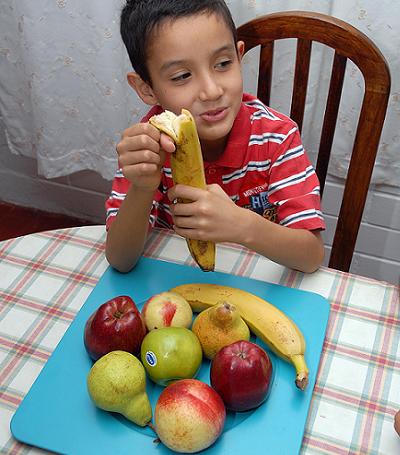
column 186, row 55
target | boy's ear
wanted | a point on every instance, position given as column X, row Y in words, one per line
column 240, row 49
column 142, row 88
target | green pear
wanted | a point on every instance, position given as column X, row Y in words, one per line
column 117, row 383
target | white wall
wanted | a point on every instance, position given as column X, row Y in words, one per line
column 377, row 252
column 83, row 195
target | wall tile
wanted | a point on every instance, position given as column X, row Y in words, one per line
column 385, row 211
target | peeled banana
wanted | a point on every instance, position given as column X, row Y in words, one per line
column 187, row 168
column 266, row 321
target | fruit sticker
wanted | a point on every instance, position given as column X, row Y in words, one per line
column 151, row 358
column 170, row 353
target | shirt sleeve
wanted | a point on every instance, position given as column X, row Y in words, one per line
column 294, row 188
column 120, row 186
column 160, row 215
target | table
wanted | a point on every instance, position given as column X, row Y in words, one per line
column 46, row 277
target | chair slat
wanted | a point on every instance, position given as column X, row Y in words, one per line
column 366, row 143
column 265, row 72
column 330, row 117
column 300, row 82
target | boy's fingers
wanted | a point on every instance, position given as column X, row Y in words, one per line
column 184, row 192
column 136, row 144
column 142, row 128
column 144, row 136
column 143, row 156
column 167, row 144
column 179, row 210
column 217, row 190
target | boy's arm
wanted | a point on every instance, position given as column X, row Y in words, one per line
column 141, row 155
column 299, row 249
column 128, row 232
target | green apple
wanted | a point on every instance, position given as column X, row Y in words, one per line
column 171, row 353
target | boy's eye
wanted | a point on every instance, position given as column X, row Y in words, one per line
column 180, row 77
column 223, row 64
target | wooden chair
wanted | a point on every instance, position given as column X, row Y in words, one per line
column 348, row 43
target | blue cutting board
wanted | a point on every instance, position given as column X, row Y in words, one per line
column 57, row 413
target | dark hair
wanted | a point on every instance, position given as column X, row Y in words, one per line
column 139, row 18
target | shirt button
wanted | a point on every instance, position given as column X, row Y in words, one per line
column 211, row 170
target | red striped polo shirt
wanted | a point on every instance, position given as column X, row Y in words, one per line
column 263, row 168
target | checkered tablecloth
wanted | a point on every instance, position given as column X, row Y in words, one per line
column 46, row 277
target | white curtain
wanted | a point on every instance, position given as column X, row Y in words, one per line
column 63, row 92
column 64, row 99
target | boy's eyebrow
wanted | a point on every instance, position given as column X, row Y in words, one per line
column 167, row 65
column 227, row 47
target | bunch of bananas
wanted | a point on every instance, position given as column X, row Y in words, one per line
column 266, row 321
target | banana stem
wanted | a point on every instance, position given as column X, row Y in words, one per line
column 301, row 371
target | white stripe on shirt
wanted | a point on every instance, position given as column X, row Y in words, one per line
column 118, row 196
column 259, row 166
column 315, row 190
column 168, row 172
column 111, row 212
column 292, row 180
column 289, row 155
column 260, row 139
column 257, row 103
column 300, row 216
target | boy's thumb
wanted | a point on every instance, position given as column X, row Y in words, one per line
column 167, row 143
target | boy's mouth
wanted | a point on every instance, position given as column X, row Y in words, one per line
column 215, row 115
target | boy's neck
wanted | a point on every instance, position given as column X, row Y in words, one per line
column 212, row 150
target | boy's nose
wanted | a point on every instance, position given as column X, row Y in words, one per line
column 210, row 89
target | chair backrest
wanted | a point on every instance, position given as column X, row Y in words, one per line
column 348, row 43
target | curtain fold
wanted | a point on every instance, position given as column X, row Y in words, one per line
column 64, row 99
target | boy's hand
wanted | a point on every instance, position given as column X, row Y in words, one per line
column 211, row 216
column 141, row 155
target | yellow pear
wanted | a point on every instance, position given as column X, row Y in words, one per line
column 117, row 383
column 219, row 326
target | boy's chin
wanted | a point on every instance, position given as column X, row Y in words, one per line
column 216, row 134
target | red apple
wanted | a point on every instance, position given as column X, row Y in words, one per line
column 116, row 325
column 241, row 373
column 189, row 416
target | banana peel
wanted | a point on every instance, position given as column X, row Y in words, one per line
column 188, row 169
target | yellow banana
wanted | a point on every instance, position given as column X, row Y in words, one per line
column 266, row 321
column 187, row 168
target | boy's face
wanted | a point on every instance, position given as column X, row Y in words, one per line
column 194, row 64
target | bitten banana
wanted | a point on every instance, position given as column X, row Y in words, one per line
column 266, row 321
column 187, row 168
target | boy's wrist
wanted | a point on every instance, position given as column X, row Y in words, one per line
column 144, row 189
column 140, row 195
column 246, row 226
